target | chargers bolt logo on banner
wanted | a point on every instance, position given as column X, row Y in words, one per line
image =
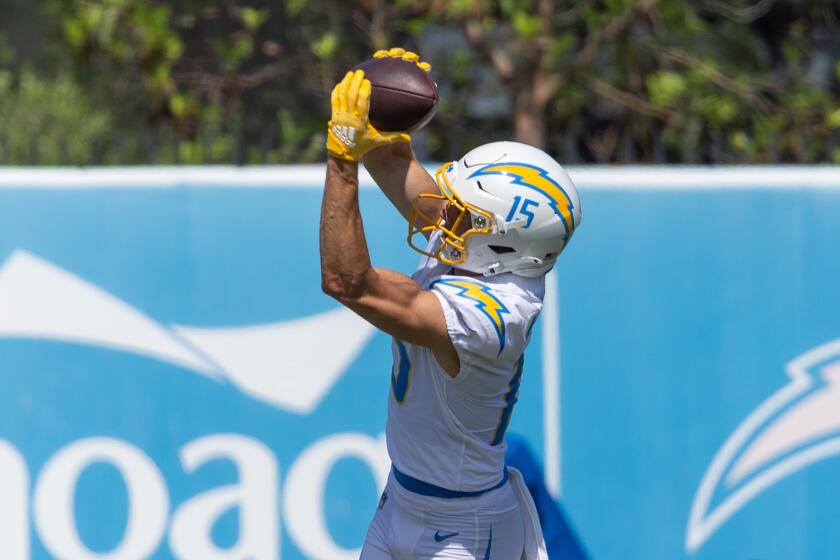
column 797, row 426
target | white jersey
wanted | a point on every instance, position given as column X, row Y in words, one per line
column 449, row 432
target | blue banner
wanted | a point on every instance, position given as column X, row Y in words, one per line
column 175, row 384
column 701, row 360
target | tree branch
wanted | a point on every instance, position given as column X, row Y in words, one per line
column 209, row 81
column 738, row 87
column 747, row 14
column 547, row 86
column 499, row 58
column 629, row 100
column 614, row 28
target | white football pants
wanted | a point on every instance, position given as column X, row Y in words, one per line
column 408, row 526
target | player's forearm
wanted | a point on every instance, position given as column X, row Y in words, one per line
column 345, row 261
column 383, row 297
column 399, row 175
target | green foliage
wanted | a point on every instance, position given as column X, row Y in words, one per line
column 126, row 32
column 6, row 53
column 526, row 25
column 48, row 121
column 128, row 81
column 459, row 8
column 833, row 118
column 232, row 53
column 324, row 47
column 666, row 88
column 294, row 7
column 252, row 18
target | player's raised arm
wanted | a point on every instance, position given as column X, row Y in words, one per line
column 389, row 300
column 394, row 167
column 399, row 175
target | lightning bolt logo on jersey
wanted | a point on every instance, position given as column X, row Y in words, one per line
column 486, row 302
column 537, row 179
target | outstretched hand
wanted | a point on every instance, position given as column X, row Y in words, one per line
column 349, row 132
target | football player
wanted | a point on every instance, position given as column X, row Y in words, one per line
column 489, row 227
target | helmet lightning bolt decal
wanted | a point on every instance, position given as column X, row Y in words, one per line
column 536, row 178
column 485, row 301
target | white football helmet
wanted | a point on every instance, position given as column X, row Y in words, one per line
column 521, row 205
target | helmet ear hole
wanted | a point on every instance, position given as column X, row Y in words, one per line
column 500, row 249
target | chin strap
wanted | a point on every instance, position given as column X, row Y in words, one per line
column 494, row 268
column 505, row 227
column 534, row 268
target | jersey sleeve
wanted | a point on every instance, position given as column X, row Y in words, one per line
column 477, row 319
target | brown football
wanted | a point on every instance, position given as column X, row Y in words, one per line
column 403, row 97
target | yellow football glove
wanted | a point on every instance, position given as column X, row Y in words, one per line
column 398, row 52
column 349, row 133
